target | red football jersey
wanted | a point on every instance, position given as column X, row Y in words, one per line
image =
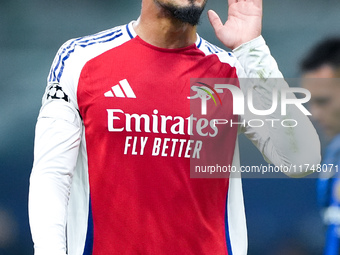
column 134, row 101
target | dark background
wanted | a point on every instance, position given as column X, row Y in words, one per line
column 281, row 213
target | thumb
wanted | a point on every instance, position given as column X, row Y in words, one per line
column 215, row 20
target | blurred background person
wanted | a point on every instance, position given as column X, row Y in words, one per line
column 321, row 73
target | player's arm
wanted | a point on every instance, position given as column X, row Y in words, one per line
column 296, row 147
column 280, row 145
column 57, row 140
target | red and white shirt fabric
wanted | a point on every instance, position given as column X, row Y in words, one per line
column 113, row 131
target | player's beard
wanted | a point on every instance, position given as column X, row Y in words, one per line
column 188, row 14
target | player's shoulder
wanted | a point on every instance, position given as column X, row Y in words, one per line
column 209, row 48
column 76, row 52
column 107, row 38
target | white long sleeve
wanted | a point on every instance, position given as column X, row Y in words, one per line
column 57, row 140
column 59, row 183
column 282, row 146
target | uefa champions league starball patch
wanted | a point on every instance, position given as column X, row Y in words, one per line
column 56, row 92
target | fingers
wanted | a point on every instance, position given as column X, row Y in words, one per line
column 215, row 20
column 258, row 3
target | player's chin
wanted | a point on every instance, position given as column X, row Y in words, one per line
column 199, row 3
column 186, row 3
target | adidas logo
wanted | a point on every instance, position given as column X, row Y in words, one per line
column 123, row 89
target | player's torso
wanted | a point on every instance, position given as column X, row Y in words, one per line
column 142, row 134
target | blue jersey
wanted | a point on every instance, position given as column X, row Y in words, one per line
column 329, row 197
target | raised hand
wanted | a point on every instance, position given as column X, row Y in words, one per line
column 244, row 22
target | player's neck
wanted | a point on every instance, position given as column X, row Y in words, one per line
column 158, row 29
